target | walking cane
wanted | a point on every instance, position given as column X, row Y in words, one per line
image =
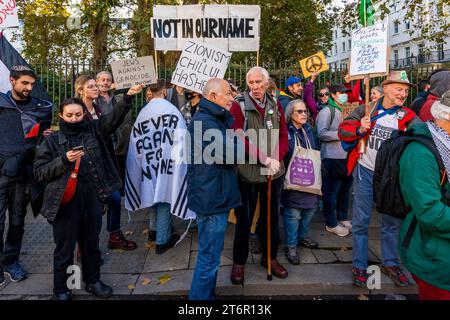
column 269, row 269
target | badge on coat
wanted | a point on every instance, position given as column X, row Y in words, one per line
column 401, row 115
column 269, row 124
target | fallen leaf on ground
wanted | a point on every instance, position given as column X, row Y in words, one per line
column 146, row 281
column 164, row 279
column 129, row 233
column 118, row 250
column 145, row 231
column 150, row 245
column 131, row 287
column 363, row 297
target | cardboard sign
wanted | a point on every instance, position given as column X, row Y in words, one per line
column 369, row 51
column 8, row 14
column 348, row 108
column 128, row 73
column 315, row 63
column 198, row 63
column 229, row 27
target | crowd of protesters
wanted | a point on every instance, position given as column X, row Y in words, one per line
column 306, row 153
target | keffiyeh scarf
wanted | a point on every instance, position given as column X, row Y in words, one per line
column 442, row 141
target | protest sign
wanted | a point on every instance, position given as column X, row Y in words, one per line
column 229, row 27
column 128, row 73
column 369, row 51
column 315, row 63
column 348, row 108
column 198, row 63
column 8, row 14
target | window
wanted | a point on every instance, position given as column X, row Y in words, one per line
column 396, row 25
column 343, row 46
column 396, row 58
column 407, row 52
column 335, row 49
column 349, row 44
column 335, row 34
column 407, row 25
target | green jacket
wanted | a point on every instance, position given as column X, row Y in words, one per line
column 428, row 254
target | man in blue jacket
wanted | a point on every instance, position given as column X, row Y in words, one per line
column 211, row 181
column 22, row 118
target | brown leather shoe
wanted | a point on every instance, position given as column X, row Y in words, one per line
column 277, row 269
column 237, row 273
column 118, row 241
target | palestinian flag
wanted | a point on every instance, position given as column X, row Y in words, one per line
column 366, row 13
column 9, row 57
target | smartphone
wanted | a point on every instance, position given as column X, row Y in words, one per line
column 79, row 148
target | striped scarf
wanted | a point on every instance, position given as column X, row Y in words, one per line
column 442, row 141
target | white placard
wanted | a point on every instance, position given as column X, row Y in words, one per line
column 369, row 50
column 128, row 73
column 198, row 63
column 231, row 27
column 8, row 14
column 5, row 85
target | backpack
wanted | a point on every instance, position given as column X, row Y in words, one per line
column 386, row 179
column 417, row 104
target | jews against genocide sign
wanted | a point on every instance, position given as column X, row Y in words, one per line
column 128, row 73
column 315, row 63
column 198, row 63
column 369, row 50
column 8, row 14
column 229, row 27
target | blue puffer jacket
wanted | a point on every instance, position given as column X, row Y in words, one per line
column 213, row 188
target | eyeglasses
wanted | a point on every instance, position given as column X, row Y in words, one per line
column 324, row 94
column 301, row 111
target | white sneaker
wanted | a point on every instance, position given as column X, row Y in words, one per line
column 338, row 230
column 347, row 224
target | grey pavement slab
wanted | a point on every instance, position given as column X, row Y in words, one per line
column 35, row 284
column 37, row 263
column 123, row 262
column 179, row 283
column 176, row 258
column 343, row 255
column 307, row 279
column 324, row 256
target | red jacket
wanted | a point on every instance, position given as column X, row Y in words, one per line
column 425, row 111
column 348, row 130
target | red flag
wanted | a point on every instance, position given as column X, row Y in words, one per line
column 33, row 132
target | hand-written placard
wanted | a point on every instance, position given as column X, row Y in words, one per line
column 229, row 27
column 199, row 63
column 369, row 50
column 8, row 14
column 128, row 73
column 348, row 108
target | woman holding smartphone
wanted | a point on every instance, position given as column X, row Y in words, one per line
column 80, row 219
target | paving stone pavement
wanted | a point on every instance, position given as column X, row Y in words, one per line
column 322, row 271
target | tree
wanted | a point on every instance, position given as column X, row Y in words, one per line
column 429, row 20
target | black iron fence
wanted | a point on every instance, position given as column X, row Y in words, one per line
column 59, row 78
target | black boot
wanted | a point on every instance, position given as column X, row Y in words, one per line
column 99, row 289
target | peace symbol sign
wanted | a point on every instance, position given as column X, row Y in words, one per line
column 313, row 64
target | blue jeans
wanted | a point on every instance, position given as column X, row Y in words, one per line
column 164, row 222
column 296, row 224
column 211, row 236
column 336, row 196
column 114, row 212
column 362, row 213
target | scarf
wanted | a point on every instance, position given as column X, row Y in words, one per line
column 72, row 129
column 442, row 141
column 333, row 104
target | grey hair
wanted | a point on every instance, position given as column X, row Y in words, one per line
column 213, row 85
column 101, row 73
column 290, row 109
column 258, row 70
column 379, row 89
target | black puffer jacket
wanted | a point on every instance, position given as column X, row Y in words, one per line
column 52, row 166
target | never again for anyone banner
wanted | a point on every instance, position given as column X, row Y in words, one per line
column 229, row 27
column 199, row 63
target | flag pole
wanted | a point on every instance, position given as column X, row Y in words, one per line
column 362, row 142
